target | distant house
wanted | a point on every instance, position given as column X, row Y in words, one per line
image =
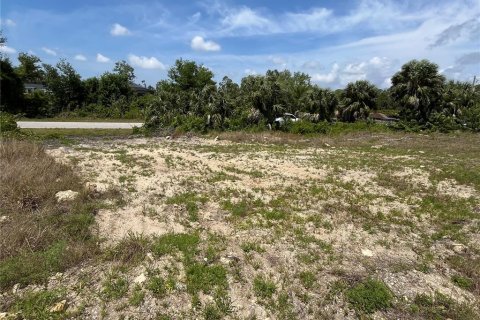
column 139, row 89
column 31, row 87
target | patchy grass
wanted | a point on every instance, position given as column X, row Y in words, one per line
column 263, row 287
column 369, row 296
column 37, row 305
column 439, row 306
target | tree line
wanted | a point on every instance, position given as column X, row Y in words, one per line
column 190, row 99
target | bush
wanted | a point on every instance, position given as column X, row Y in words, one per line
column 7, row 122
column 471, row 117
column 369, row 296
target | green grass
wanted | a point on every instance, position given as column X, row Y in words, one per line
column 369, row 296
column 114, row 287
column 36, row 305
column 138, row 296
column 182, row 242
column 248, row 247
column 307, row 278
column 263, row 288
column 439, row 306
column 205, row 278
column 190, row 200
column 157, row 286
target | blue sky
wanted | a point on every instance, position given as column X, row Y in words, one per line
column 335, row 42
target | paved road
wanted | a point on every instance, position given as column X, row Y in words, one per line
column 77, row 125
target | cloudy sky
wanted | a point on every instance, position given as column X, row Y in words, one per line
column 335, row 42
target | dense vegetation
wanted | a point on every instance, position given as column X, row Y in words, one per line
column 191, row 100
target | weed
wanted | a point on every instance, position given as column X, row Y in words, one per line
column 137, row 297
column 440, row 306
column 190, row 201
column 183, row 242
column 248, row 247
column 307, row 279
column 205, row 278
column 263, row 288
column 114, row 286
column 156, row 284
column 369, row 296
column 37, row 304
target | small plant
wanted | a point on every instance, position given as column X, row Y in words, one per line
column 263, row 288
column 114, row 287
column 37, row 305
column 211, row 312
column 156, row 284
column 190, row 201
column 248, row 247
column 463, row 282
column 307, row 279
column 439, row 306
column 137, row 297
column 369, row 296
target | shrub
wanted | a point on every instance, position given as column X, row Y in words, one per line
column 369, row 296
column 7, row 122
column 263, row 288
column 471, row 118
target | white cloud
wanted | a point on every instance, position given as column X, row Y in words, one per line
column 200, row 44
column 328, row 78
column 245, row 18
column 7, row 49
column 119, row 30
column 101, row 58
column 8, row 22
column 49, row 51
column 80, row 57
column 145, row 62
column 250, row 72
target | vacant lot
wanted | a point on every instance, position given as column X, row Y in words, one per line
column 274, row 226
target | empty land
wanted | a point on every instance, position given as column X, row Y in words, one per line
column 256, row 226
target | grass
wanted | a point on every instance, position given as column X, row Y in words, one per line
column 190, row 201
column 205, row 278
column 52, row 134
column 40, row 237
column 115, row 286
column 169, row 243
column 263, row 288
column 37, row 305
column 439, row 306
column 369, row 296
column 157, row 286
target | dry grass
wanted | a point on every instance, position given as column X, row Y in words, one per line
column 37, row 235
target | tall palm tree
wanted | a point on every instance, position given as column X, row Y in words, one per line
column 358, row 99
column 418, row 87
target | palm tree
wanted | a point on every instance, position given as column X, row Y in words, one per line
column 418, row 87
column 358, row 99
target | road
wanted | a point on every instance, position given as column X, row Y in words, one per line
column 77, row 125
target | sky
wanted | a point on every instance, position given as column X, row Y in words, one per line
column 335, row 42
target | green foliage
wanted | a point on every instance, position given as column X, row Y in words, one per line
column 29, row 69
column 169, row 243
column 7, row 122
column 137, row 297
column 463, row 282
column 471, row 117
column 114, row 287
column 440, row 306
column 358, row 99
column 307, row 279
column 369, row 296
column 11, row 86
column 205, row 278
column 157, row 286
column 263, row 288
column 37, row 304
column 417, row 89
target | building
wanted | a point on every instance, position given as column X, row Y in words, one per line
column 31, row 87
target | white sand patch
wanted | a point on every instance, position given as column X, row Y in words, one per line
column 451, row 188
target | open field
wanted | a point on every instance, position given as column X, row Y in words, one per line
column 278, row 226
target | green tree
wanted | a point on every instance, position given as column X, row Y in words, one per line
column 321, row 102
column 124, row 69
column 65, row 86
column 11, row 88
column 112, row 87
column 30, row 69
column 187, row 75
column 358, row 99
column 417, row 88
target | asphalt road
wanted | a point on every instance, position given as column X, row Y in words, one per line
column 77, row 125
